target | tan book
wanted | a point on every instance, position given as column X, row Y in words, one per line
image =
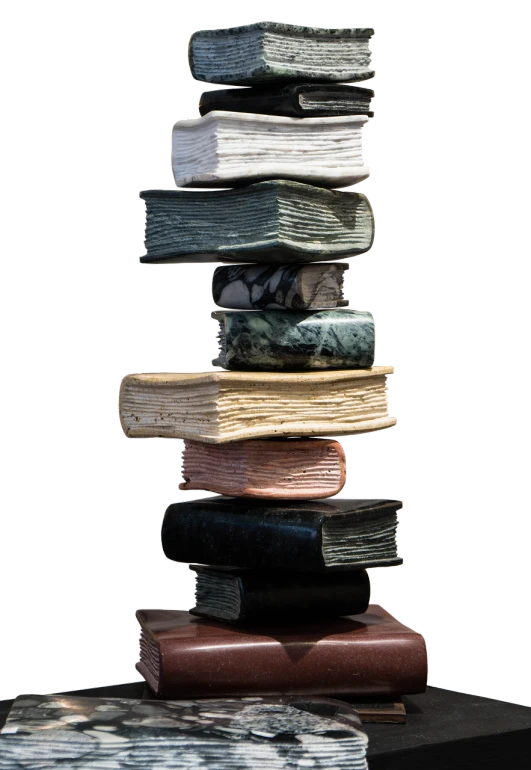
column 294, row 468
column 216, row 407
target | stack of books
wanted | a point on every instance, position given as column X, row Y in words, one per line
column 281, row 567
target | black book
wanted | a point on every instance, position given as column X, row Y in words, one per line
column 295, row 100
column 233, row 595
column 311, row 536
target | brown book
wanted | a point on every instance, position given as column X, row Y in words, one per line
column 360, row 655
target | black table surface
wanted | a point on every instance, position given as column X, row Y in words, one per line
column 444, row 731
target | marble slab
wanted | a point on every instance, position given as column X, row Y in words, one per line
column 294, row 469
column 223, row 149
column 270, row 222
column 268, row 52
column 235, row 595
column 330, row 535
column 290, row 287
column 279, row 340
column 293, row 100
column 218, row 407
column 57, row 731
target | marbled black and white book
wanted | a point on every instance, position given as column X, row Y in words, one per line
column 58, row 731
column 276, row 221
column 284, row 340
column 217, row 407
column 224, row 149
column 268, row 52
column 282, row 287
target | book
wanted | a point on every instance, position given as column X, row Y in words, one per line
column 286, row 340
column 277, row 221
column 311, row 536
column 297, row 469
column 50, row 731
column 360, row 655
column 224, row 149
column 279, row 287
column 293, row 100
column 216, row 407
column 234, row 595
column 268, row 52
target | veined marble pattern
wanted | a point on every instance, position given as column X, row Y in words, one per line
column 267, row 287
column 290, row 341
column 46, row 731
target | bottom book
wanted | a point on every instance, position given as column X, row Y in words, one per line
column 48, row 731
column 367, row 655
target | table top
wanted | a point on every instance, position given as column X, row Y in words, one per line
column 444, row 731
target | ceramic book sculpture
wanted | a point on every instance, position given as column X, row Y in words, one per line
column 231, row 406
column 360, row 655
column 282, row 590
column 315, row 536
column 274, row 222
column 268, row 53
column 232, row 148
column 286, row 341
column 286, row 287
column 235, row 595
column 46, row 731
column 295, row 469
column 294, row 100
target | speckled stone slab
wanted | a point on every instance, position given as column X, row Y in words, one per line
column 290, row 287
column 224, row 149
column 279, row 340
column 275, row 222
column 49, row 731
column 268, row 52
column 217, row 407
column 358, row 655
column 294, row 469
column 294, row 100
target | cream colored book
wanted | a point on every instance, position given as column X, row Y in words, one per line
column 216, row 407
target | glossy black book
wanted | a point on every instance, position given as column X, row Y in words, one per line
column 233, row 595
column 311, row 536
column 295, row 100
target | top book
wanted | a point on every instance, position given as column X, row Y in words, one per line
column 268, row 52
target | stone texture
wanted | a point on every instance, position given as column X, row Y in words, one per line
column 268, row 52
column 277, row 221
column 290, row 469
column 294, row 100
column 268, row 287
column 291, row 341
column 309, row 536
column 234, row 595
column 217, row 407
column 361, row 655
column 223, row 149
column 46, row 731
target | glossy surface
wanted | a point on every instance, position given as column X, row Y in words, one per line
column 369, row 654
column 297, row 469
column 312, row 536
column 295, row 100
column 241, row 596
column 276, row 221
column 279, row 340
column 270, row 52
column 289, row 287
